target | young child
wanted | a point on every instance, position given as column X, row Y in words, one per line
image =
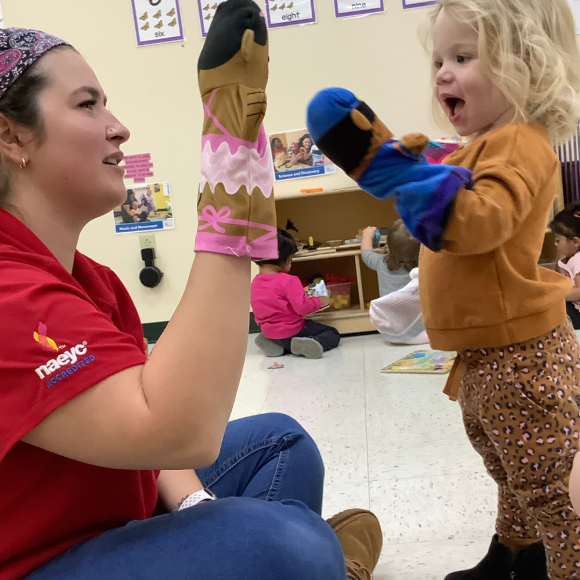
column 566, row 229
column 280, row 307
column 397, row 313
column 506, row 73
column 393, row 267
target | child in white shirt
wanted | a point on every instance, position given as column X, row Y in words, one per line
column 397, row 313
column 392, row 268
column 566, row 229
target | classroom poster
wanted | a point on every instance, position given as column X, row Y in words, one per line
column 284, row 13
column 206, row 13
column 417, row 3
column 157, row 21
column 575, row 5
column 295, row 155
column 148, row 207
column 344, row 8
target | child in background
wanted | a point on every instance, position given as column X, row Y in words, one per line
column 148, row 202
column 566, row 229
column 393, row 267
column 397, row 313
column 280, row 307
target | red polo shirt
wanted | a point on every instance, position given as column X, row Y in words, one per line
column 60, row 334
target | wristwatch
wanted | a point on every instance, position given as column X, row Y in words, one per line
column 204, row 495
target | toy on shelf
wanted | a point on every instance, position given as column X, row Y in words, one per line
column 339, row 290
column 312, row 245
column 317, row 288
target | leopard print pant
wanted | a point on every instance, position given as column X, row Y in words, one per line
column 520, row 407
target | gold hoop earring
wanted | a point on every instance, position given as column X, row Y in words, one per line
column 23, row 164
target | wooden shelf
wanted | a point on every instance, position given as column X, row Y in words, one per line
column 349, row 321
column 314, row 255
column 326, row 255
column 336, row 214
column 353, row 312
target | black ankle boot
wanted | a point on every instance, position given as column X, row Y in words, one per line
column 530, row 563
column 497, row 565
column 500, row 564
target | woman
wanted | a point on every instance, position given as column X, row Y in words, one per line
column 303, row 153
column 87, row 420
column 129, row 209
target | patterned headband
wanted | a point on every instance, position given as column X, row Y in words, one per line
column 20, row 48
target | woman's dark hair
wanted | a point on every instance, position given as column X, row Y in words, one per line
column 286, row 247
column 20, row 104
column 403, row 248
column 130, row 192
column 567, row 222
column 305, row 136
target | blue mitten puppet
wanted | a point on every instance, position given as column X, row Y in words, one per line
column 349, row 133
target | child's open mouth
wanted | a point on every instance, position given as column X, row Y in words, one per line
column 454, row 107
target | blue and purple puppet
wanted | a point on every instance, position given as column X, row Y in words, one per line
column 349, row 133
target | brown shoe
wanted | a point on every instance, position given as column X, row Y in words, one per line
column 361, row 538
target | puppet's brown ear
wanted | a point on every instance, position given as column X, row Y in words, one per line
column 247, row 45
column 360, row 120
column 416, row 142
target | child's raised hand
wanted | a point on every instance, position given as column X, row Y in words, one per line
column 369, row 232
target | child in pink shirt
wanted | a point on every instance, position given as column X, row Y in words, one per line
column 280, row 307
column 566, row 230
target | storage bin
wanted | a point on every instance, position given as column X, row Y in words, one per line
column 339, row 295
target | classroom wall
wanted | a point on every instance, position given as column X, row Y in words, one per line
column 153, row 90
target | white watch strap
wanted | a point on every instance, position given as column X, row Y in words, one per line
column 195, row 498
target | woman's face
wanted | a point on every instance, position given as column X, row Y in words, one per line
column 277, row 143
column 76, row 166
column 307, row 143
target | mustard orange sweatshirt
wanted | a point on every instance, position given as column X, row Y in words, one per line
column 486, row 288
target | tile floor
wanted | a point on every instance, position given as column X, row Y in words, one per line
column 391, row 443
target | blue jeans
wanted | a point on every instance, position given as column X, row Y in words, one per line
column 266, row 524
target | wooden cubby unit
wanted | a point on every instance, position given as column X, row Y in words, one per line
column 337, row 215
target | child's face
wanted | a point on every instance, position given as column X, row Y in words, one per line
column 473, row 104
column 566, row 248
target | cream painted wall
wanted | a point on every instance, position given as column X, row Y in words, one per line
column 153, row 90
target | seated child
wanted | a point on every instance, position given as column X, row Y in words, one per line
column 280, row 306
column 397, row 313
column 566, row 229
column 392, row 268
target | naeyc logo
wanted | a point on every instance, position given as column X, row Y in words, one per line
column 42, row 338
column 73, row 359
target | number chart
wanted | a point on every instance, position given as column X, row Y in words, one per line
column 157, row 21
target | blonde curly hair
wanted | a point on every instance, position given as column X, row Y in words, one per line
column 528, row 49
